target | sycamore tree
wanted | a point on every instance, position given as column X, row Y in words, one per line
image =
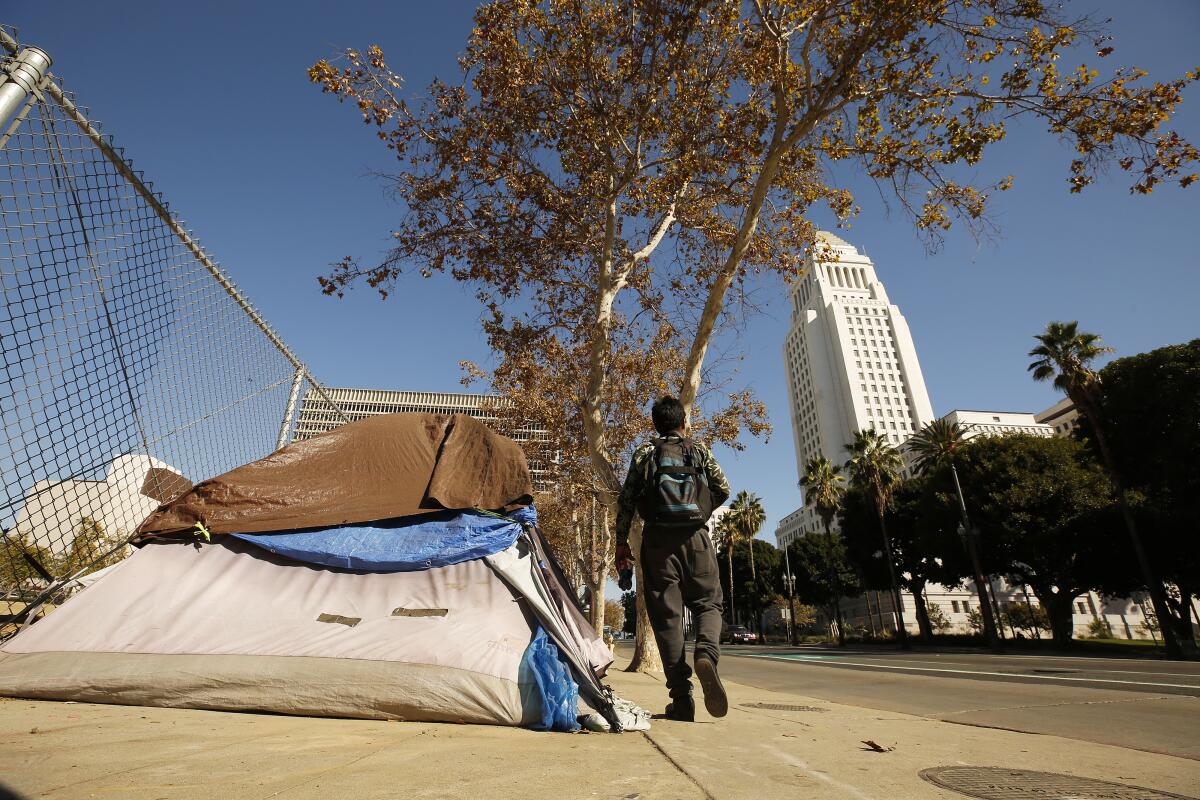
column 608, row 173
column 600, row 155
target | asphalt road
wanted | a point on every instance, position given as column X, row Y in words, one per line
column 1143, row 704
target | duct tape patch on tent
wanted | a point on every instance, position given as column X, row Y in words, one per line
column 401, row 545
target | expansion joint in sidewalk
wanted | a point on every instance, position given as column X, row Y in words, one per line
column 707, row 794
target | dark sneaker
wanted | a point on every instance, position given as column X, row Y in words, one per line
column 715, row 700
column 681, row 709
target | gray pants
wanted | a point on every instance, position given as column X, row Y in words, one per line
column 681, row 570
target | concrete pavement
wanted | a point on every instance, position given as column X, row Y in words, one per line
column 1035, row 694
column 59, row 750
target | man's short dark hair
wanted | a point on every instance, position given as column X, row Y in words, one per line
column 668, row 415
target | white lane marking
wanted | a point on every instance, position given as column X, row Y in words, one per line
column 795, row 659
column 969, row 663
column 1012, row 655
column 816, row 773
column 1092, row 659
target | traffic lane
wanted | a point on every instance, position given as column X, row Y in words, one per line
column 1155, row 723
column 1120, row 663
column 999, row 668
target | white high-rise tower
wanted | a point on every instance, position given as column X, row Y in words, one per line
column 851, row 364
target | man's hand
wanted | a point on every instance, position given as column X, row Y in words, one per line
column 624, row 567
column 624, row 557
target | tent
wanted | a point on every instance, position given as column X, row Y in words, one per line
column 389, row 569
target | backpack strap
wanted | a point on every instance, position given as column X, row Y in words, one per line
column 688, row 468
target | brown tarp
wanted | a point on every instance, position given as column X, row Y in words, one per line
column 385, row 466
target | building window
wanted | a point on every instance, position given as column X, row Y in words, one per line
column 966, row 607
column 1082, row 608
column 954, row 605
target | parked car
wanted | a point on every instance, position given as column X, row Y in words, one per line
column 738, row 634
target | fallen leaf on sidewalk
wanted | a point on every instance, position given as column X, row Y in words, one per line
column 876, row 747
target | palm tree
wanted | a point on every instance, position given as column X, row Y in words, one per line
column 1065, row 354
column 875, row 467
column 824, row 488
column 725, row 532
column 938, row 443
column 747, row 516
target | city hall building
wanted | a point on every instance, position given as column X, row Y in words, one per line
column 851, row 364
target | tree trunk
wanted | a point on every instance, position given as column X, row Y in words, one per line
column 645, row 648
column 923, row 624
column 781, row 142
column 1181, row 615
column 1059, row 610
column 596, row 606
column 720, row 287
column 750, row 544
column 897, row 598
column 870, row 614
column 729, row 600
column 835, row 586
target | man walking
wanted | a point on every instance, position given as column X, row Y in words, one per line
column 674, row 483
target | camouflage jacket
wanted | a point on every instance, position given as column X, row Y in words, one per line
column 639, row 478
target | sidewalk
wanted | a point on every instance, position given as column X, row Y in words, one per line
column 62, row 750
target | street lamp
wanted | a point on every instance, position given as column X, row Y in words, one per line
column 789, row 581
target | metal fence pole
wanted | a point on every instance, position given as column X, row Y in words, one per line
column 290, row 411
column 24, row 75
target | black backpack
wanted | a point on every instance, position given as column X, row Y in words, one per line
column 677, row 495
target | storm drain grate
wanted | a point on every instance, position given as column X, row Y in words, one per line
column 997, row 783
column 781, row 707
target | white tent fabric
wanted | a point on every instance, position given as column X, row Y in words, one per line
column 229, row 626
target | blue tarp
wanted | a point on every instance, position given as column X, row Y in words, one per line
column 401, row 545
column 556, row 689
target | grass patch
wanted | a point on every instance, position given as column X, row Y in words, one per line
column 1127, row 644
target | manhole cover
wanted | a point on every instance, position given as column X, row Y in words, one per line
column 997, row 783
column 780, row 707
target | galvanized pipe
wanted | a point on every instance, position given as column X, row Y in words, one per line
column 22, row 78
column 290, row 410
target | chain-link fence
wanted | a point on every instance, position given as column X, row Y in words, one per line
column 132, row 366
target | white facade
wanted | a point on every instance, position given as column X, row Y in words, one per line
column 133, row 486
column 985, row 423
column 850, row 359
column 317, row 416
column 1062, row 417
column 851, row 364
column 793, row 526
column 998, row 423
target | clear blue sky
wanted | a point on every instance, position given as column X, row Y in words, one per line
column 212, row 102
